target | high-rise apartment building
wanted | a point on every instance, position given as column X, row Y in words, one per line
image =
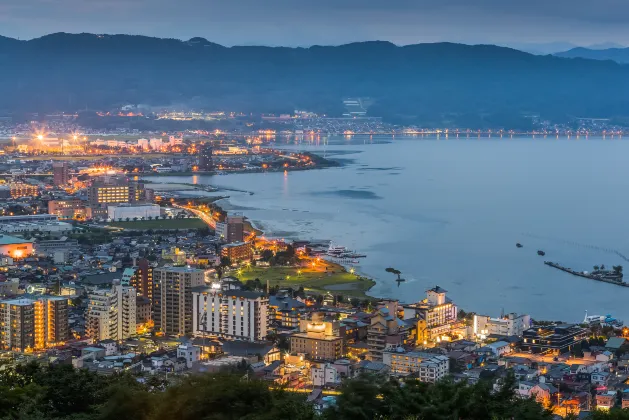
column 142, row 279
column 205, row 157
column 60, row 173
column 111, row 314
column 172, row 298
column 234, row 314
column 33, row 324
column 232, row 229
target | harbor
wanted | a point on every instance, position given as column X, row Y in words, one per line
column 605, row 276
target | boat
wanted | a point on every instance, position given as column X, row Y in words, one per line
column 606, row 320
column 336, row 249
column 541, row 253
column 518, row 245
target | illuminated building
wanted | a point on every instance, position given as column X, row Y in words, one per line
column 143, row 310
column 319, row 339
column 108, row 190
column 27, row 324
column 232, row 229
column 15, row 247
column 142, row 279
column 155, row 143
column 20, row 189
column 438, row 313
column 111, row 314
column 143, row 144
column 238, row 251
column 69, row 209
column 172, row 298
column 205, row 157
column 429, row 367
column 553, row 339
column 234, row 314
column 508, row 325
column 385, row 329
column 60, row 173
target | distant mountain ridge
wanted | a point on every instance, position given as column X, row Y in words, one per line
column 423, row 83
column 619, row 55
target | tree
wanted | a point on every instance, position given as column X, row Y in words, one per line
column 226, row 262
column 596, row 268
column 617, row 269
column 128, row 219
column 266, row 255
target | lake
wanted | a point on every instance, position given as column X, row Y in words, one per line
column 449, row 212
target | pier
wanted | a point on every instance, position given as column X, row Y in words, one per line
column 605, row 278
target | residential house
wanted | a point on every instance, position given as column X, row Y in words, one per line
column 545, row 393
column 606, row 400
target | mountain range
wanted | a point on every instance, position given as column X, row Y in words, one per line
column 440, row 83
column 619, row 55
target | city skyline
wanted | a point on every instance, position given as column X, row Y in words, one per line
column 536, row 25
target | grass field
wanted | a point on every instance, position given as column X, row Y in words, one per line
column 161, row 224
column 336, row 279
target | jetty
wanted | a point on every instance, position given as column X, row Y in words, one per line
column 602, row 276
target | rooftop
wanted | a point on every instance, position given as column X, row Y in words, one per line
column 10, row 240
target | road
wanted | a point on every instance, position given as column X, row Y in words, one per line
column 209, row 220
column 551, row 359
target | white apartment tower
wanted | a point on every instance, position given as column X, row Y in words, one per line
column 111, row 314
column 234, row 314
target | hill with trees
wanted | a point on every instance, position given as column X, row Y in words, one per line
column 423, row 83
column 34, row 391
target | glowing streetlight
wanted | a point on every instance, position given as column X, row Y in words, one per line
column 351, row 270
column 299, row 272
column 40, row 137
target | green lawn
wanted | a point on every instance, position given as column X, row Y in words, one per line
column 161, row 224
column 314, row 280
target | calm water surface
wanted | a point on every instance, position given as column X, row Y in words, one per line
column 450, row 211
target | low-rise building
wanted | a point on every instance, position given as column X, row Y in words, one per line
column 237, row 251
column 14, row 247
column 509, row 325
column 429, row 367
column 606, row 400
column 324, row 375
column 132, row 211
column 555, row 339
column 190, row 353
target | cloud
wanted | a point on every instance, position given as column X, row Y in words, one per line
column 290, row 22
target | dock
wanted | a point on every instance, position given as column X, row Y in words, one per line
column 611, row 279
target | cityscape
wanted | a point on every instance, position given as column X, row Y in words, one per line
column 346, row 211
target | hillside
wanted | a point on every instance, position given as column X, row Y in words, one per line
column 417, row 83
column 619, row 55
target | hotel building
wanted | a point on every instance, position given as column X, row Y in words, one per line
column 318, row 339
column 233, row 314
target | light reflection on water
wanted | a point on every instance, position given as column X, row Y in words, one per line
column 450, row 213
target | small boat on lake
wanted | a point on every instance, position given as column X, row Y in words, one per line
column 518, row 245
column 541, row 253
